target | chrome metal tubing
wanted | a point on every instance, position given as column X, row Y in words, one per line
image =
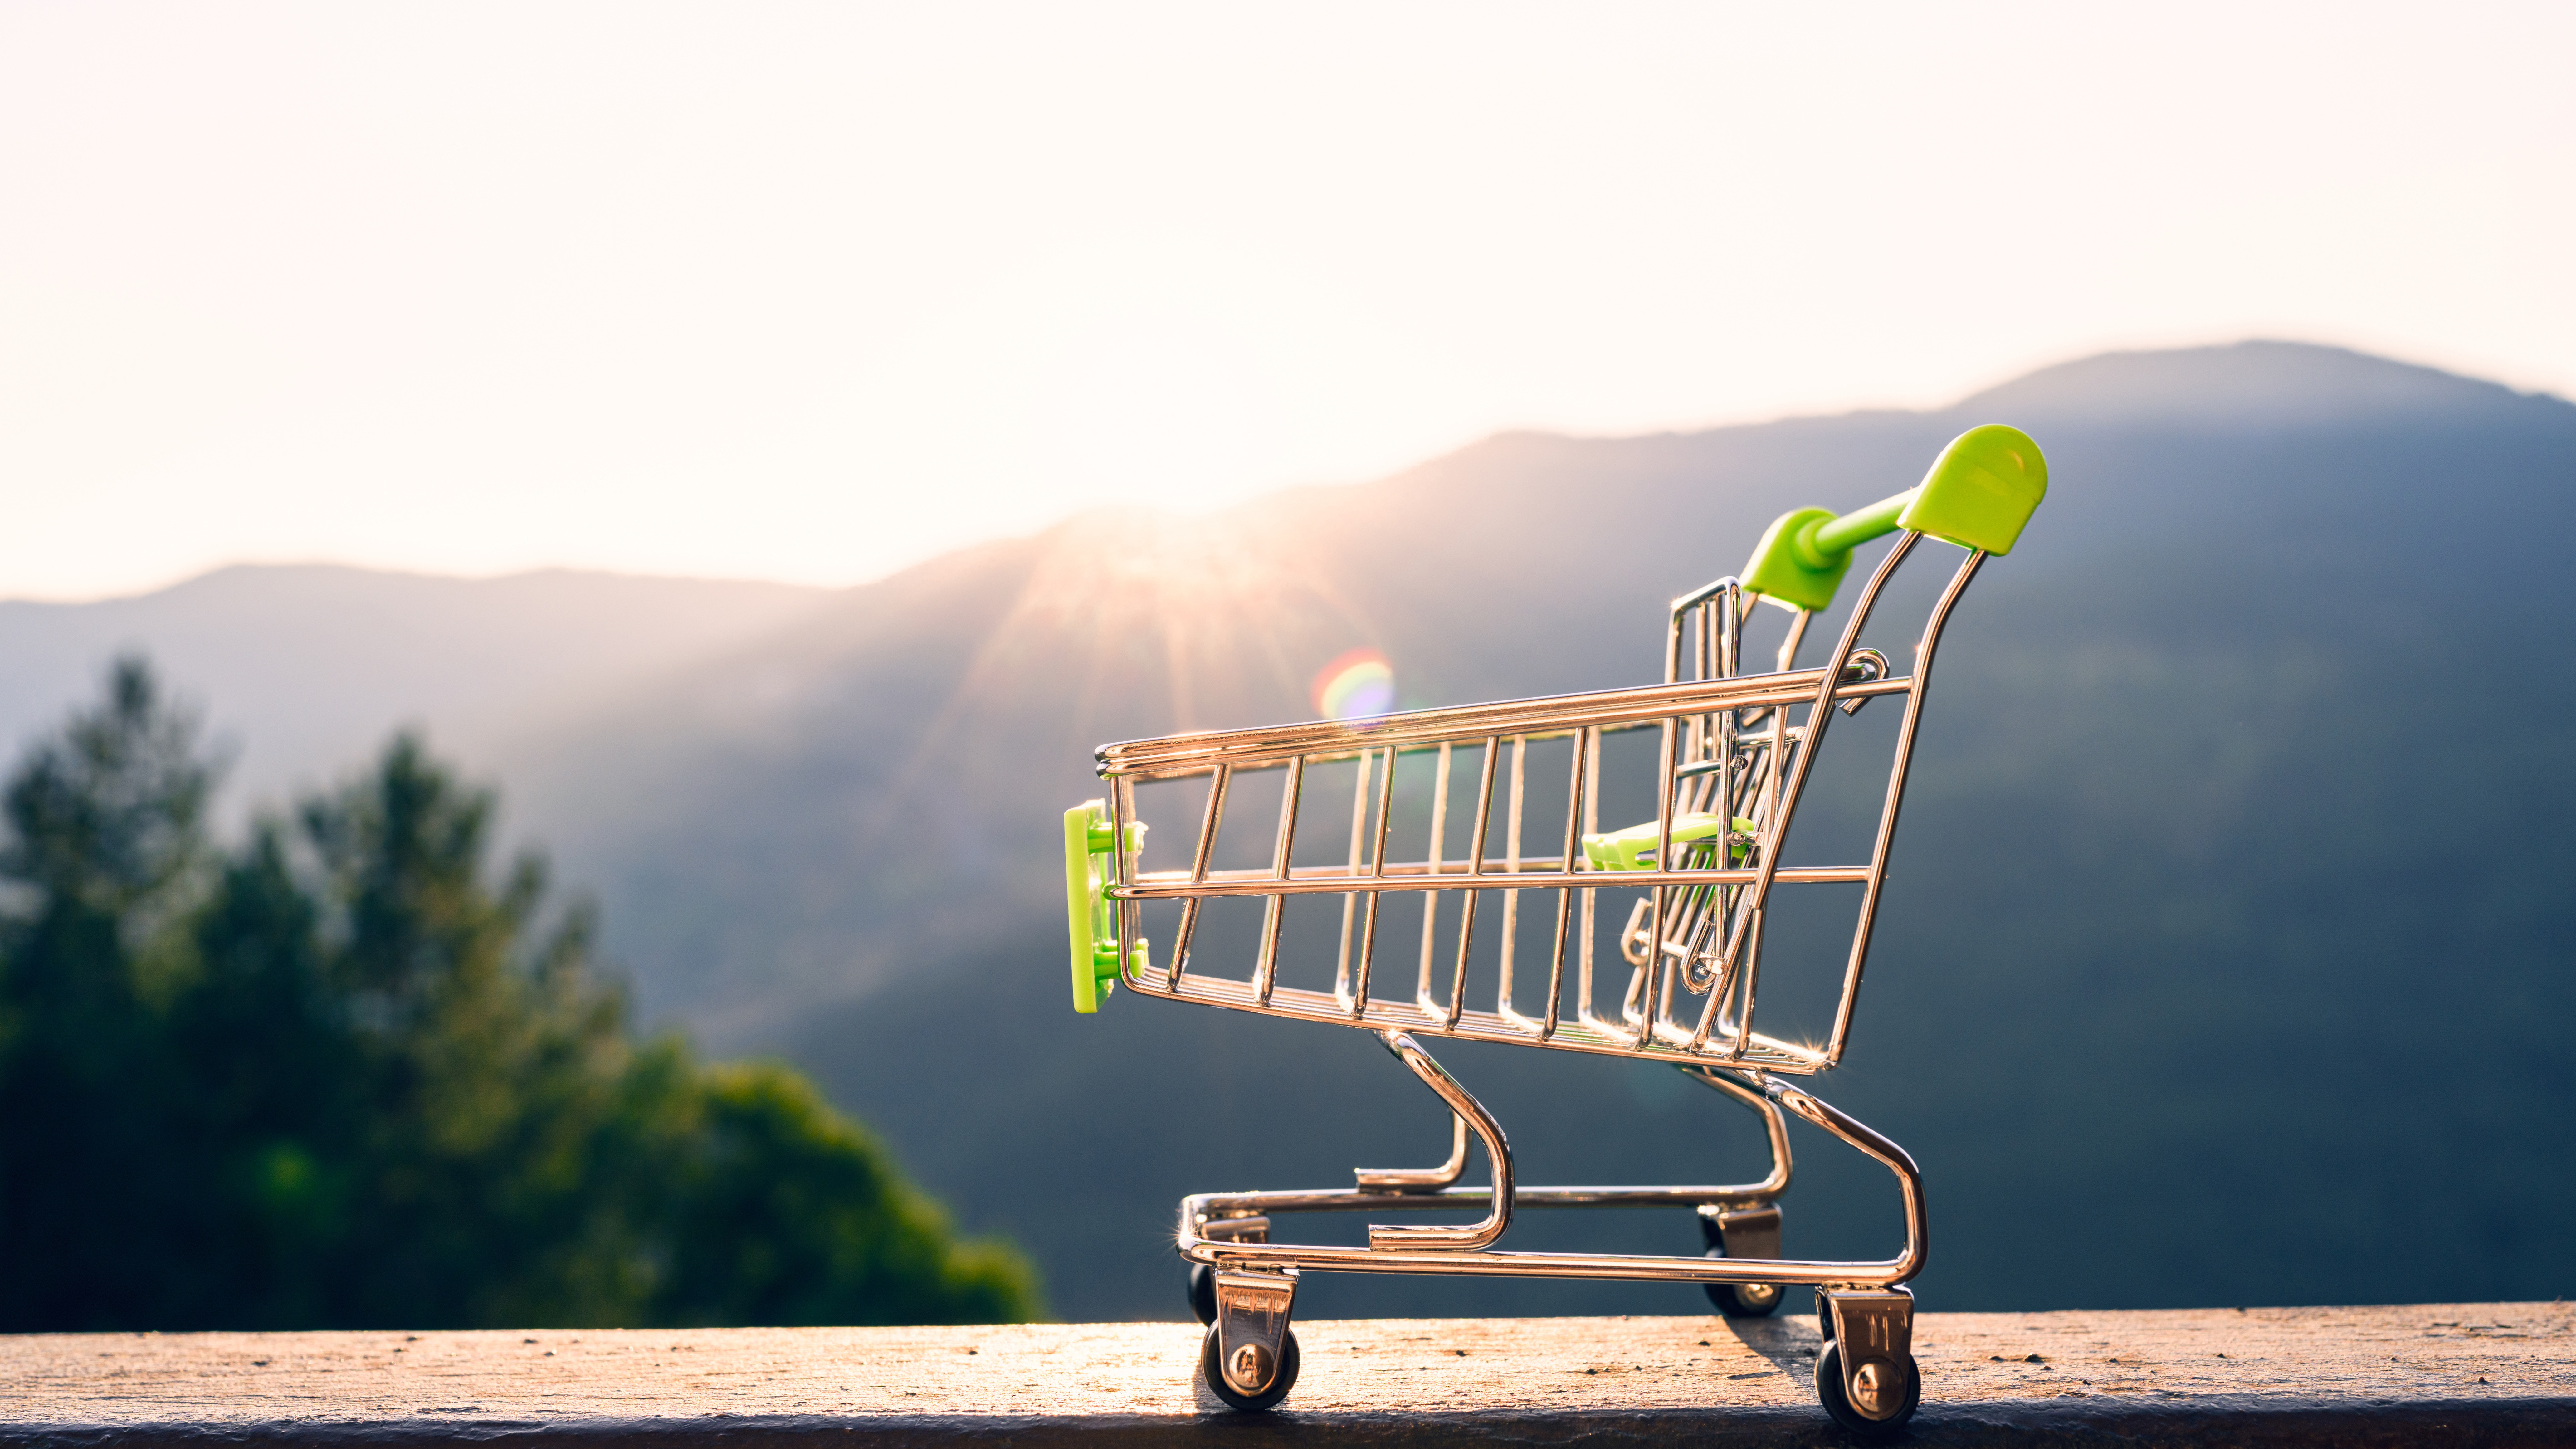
column 1538, row 718
column 1775, row 829
column 1431, row 860
column 1125, row 866
column 1475, row 871
column 1226, row 1205
column 1198, row 869
column 1350, row 903
column 1775, row 1128
column 1886, row 837
column 1421, row 1179
column 1377, row 867
column 1575, row 794
column 1265, row 970
column 1510, row 940
column 1498, row 1151
column 1325, row 880
column 1198, row 1245
column 1593, row 1037
column 1396, row 1190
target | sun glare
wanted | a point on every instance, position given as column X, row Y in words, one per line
column 1359, row 685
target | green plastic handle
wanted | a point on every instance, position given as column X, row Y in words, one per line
column 1979, row 493
column 1089, row 844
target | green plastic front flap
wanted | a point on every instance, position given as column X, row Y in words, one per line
column 1981, row 490
column 1091, row 930
column 1081, row 903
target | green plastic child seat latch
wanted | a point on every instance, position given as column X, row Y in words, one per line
column 1979, row 493
column 1634, row 847
column 1090, row 846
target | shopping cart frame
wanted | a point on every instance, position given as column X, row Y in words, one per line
column 1702, row 911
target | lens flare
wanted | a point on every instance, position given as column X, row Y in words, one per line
column 1356, row 686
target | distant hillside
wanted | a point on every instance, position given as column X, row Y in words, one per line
column 306, row 668
column 2221, row 959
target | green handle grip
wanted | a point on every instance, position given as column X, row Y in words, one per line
column 1979, row 493
column 1841, row 535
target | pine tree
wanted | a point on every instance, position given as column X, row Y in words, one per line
column 341, row 1077
column 105, row 851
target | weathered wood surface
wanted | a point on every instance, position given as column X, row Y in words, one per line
column 2454, row 1374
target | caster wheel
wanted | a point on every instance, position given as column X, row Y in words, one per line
column 1900, row 1400
column 1203, row 1292
column 1282, row 1379
column 1743, row 1300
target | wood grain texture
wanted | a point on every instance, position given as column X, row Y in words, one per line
column 2456, row 1374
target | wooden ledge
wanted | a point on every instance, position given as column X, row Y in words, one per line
column 2484, row 1373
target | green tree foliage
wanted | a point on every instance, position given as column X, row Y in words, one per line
column 338, row 1076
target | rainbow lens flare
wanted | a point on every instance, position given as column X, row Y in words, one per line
column 1356, row 686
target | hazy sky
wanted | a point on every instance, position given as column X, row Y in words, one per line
column 811, row 291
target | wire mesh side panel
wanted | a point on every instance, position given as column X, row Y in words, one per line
column 1449, row 871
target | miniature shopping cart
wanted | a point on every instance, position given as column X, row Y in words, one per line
column 1643, row 940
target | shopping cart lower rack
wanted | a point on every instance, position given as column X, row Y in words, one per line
column 1730, row 755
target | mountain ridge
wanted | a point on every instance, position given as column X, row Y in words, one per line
column 2274, row 382
column 307, row 667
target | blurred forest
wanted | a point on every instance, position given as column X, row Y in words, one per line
column 339, row 1075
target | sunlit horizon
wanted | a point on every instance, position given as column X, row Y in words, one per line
column 810, row 295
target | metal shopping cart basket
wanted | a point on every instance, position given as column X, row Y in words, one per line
column 1724, row 756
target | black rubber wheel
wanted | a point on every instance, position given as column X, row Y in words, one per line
column 1203, row 1292
column 1280, row 1382
column 1824, row 1318
column 1743, row 1300
column 1829, row 1390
